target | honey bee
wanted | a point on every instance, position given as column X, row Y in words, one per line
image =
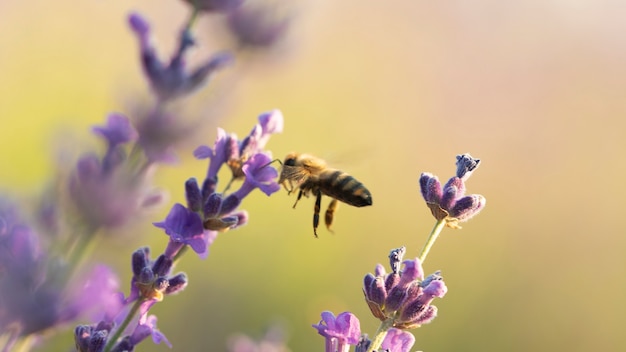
column 311, row 175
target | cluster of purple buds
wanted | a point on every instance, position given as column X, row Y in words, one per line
column 96, row 338
column 209, row 212
column 150, row 283
column 403, row 296
column 449, row 202
column 172, row 80
column 111, row 190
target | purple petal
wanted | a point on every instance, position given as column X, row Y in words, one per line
column 203, row 152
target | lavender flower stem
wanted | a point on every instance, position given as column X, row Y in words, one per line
column 179, row 254
column 120, row 329
column 379, row 337
column 439, row 225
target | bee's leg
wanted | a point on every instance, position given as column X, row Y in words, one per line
column 330, row 211
column 316, row 212
column 299, row 196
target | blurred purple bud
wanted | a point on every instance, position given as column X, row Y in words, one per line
column 260, row 26
column 398, row 341
column 118, row 130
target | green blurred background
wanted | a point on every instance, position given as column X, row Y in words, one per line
column 385, row 90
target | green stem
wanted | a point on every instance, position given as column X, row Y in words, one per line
column 439, row 225
column 180, row 254
column 120, row 329
column 380, row 334
column 194, row 15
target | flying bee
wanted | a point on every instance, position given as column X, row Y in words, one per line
column 311, row 175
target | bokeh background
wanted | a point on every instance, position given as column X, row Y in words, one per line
column 384, row 90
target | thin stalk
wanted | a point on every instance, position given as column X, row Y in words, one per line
column 129, row 317
column 380, row 334
column 439, row 225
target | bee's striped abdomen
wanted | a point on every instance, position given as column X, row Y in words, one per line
column 343, row 187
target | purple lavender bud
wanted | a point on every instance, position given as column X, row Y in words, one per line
column 118, row 130
column 467, row 207
column 162, row 266
column 415, row 315
column 146, row 276
column 213, row 206
column 465, row 166
column 395, row 258
column 413, row 291
column 376, row 291
column 139, row 260
column 230, row 204
column 412, row 271
column 367, row 281
column 398, row 341
column 430, row 278
column 391, row 281
column 395, row 298
column 176, row 284
column 379, row 270
column 436, row 288
column 430, row 188
column 451, row 192
column 193, row 195
column 98, row 341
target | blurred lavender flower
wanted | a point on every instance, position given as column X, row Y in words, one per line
column 109, row 192
column 258, row 26
column 403, row 296
column 215, row 5
column 273, row 341
column 450, row 203
column 340, row 332
column 36, row 292
column 172, row 80
column 398, row 341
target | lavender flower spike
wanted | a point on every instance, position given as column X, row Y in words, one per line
column 340, row 331
column 449, row 202
column 172, row 80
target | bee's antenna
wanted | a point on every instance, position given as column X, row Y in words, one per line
column 273, row 161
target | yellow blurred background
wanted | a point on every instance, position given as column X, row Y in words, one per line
column 387, row 90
